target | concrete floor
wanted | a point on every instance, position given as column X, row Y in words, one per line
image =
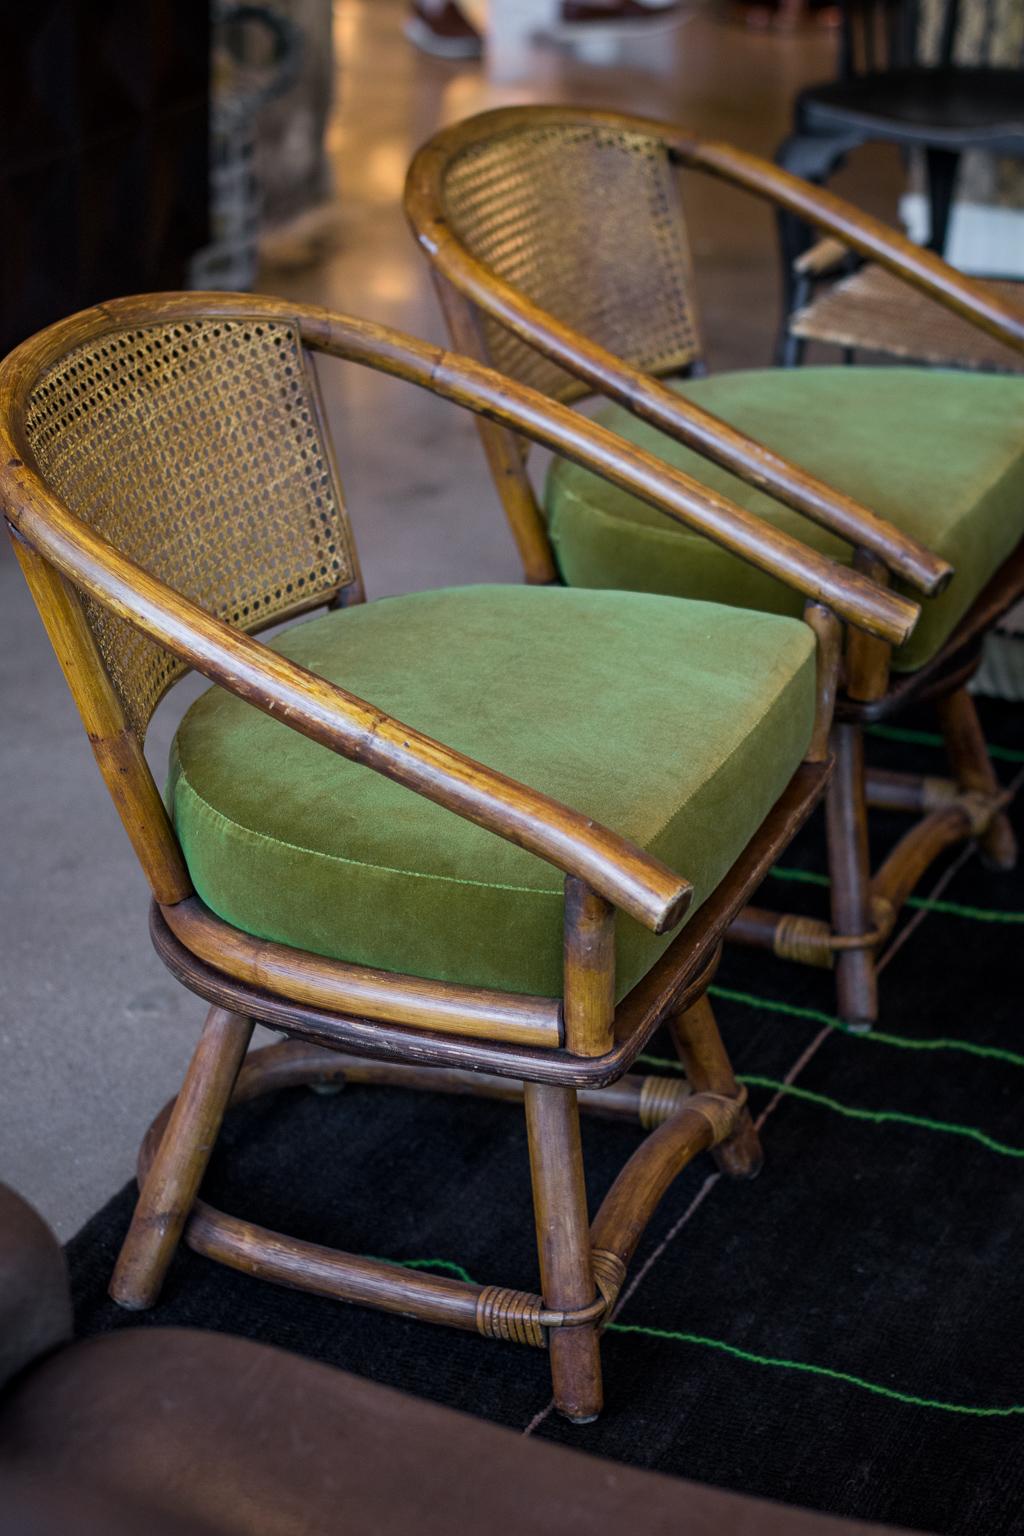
column 94, row 1032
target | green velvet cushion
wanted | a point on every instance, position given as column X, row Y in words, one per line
column 676, row 724
column 939, row 454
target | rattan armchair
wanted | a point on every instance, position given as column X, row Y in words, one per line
column 169, row 485
column 558, row 244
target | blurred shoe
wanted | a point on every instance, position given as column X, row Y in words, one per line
column 445, row 33
column 620, row 15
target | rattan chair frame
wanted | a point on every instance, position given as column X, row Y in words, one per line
column 476, row 296
column 347, row 1022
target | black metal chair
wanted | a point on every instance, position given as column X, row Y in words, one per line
column 904, row 78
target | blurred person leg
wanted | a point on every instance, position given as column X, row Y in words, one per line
column 621, row 13
column 595, row 29
column 441, row 28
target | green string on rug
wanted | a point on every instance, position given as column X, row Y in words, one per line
column 674, row 1336
column 930, row 739
column 922, row 903
column 874, row 1036
column 883, row 1116
column 852, row 1112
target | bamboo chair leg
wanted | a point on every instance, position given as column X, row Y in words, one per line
column 969, row 759
column 850, row 871
column 563, row 1245
column 167, row 1196
column 708, row 1069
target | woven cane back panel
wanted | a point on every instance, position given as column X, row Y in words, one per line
column 585, row 221
column 195, row 449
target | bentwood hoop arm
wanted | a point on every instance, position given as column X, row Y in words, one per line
column 617, row 378
column 122, row 377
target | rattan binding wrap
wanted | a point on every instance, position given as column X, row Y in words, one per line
column 511, row 1315
column 196, row 449
column 586, row 222
column 873, row 311
column 660, row 1097
column 609, row 1276
column 806, row 940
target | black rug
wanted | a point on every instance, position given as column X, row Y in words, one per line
column 847, row 1332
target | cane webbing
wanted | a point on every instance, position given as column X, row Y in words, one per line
column 585, row 221
column 874, row 311
column 195, row 449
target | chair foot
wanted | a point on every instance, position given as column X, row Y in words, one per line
column 741, row 1156
column 170, row 1187
column 857, row 990
column 998, row 844
column 575, row 1355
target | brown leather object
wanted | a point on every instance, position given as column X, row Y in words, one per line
column 217, row 1434
column 35, row 1308
column 175, row 1432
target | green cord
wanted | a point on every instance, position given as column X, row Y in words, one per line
column 922, row 903
column 798, row 876
column 793, row 1010
column 454, row 1269
column 929, row 739
column 877, row 1036
column 883, row 1116
column 815, row 1370
column 747, row 1355
column 877, row 1116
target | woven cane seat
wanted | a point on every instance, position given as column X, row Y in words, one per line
column 558, row 689
column 939, row 454
column 873, row 311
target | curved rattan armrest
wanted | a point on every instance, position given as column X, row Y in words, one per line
column 608, row 374
column 491, row 394
column 624, row 874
